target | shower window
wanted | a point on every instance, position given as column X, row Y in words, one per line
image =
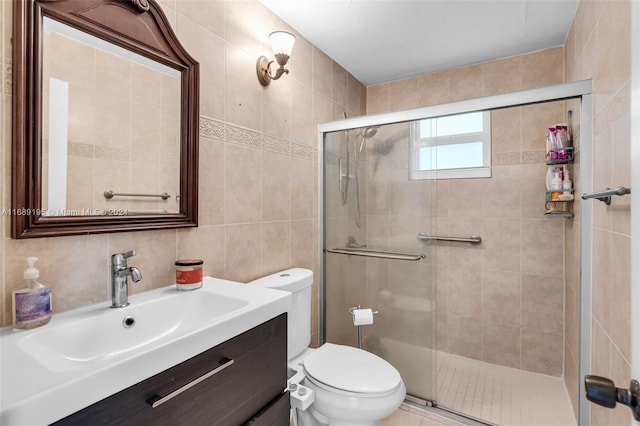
column 454, row 146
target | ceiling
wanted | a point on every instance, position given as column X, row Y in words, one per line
column 384, row 40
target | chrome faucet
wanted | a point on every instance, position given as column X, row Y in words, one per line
column 119, row 273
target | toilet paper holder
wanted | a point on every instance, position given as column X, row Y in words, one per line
column 352, row 312
column 353, row 308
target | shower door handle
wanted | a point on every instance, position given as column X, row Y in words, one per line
column 602, row 391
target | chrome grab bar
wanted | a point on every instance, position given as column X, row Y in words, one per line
column 109, row 194
column 378, row 254
column 605, row 196
column 474, row 239
column 158, row 400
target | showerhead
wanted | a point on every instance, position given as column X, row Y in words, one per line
column 370, row 132
column 367, row 133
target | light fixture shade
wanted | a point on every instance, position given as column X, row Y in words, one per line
column 282, row 42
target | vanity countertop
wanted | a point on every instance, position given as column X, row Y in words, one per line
column 87, row 354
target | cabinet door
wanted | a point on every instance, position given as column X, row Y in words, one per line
column 256, row 376
column 275, row 414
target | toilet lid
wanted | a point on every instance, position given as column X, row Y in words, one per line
column 351, row 369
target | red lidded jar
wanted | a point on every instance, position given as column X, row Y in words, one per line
column 188, row 274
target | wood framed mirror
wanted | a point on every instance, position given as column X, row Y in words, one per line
column 105, row 126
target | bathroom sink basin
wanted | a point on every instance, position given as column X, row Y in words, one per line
column 84, row 355
column 95, row 335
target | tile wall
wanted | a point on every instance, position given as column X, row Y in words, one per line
column 598, row 47
column 258, row 151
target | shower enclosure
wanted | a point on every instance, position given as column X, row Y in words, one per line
column 434, row 219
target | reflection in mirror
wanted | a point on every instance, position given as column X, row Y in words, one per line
column 111, row 122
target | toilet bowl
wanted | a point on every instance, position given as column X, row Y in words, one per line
column 350, row 386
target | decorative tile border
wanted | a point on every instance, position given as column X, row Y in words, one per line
column 212, row 128
column 531, row 157
column 506, row 158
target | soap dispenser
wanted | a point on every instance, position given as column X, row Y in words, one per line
column 31, row 305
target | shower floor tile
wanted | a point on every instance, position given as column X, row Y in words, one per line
column 501, row 395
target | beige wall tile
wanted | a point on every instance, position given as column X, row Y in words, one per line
column 302, row 181
column 542, row 304
column 501, row 244
column 433, row 88
column 620, row 331
column 465, row 336
column 356, row 97
column 378, row 99
column 212, row 192
column 501, row 193
column 322, row 72
column 208, row 49
column 244, row 252
column 543, row 68
column 276, row 184
column 210, row 17
column 466, row 82
column 243, row 188
column 276, row 113
column 465, row 292
column 300, row 64
column 303, row 243
column 404, row 94
column 501, row 345
column 502, row 76
column 243, row 92
column 302, row 129
column 276, row 251
column 542, row 247
column 601, row 279
column 620, row 210
column 501, row 296
column 339, row 85
column 506, row 130
column 538, row 354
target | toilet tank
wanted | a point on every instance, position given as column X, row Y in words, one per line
column 296, row 281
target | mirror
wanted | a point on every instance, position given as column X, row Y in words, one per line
column 106, row 120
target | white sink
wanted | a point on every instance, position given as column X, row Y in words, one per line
column 95, row 335
column 87, row 354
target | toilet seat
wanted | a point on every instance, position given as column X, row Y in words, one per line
column 351, row 371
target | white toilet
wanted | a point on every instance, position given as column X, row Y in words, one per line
column 350, row 386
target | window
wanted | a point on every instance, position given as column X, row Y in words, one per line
column 454, row 146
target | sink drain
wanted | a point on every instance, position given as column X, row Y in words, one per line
column 128, row 322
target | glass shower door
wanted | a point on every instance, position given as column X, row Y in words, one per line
column 372, row 208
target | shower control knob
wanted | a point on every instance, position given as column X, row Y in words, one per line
column 602, row 391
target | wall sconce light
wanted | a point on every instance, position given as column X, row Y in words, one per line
column 281, row 44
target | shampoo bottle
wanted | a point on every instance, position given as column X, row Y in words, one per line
column 31, row 305
column 567, row 185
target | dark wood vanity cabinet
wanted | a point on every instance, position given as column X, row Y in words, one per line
column 247, row 388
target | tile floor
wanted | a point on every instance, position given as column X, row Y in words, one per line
column 408, row 415
column 500, row 395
